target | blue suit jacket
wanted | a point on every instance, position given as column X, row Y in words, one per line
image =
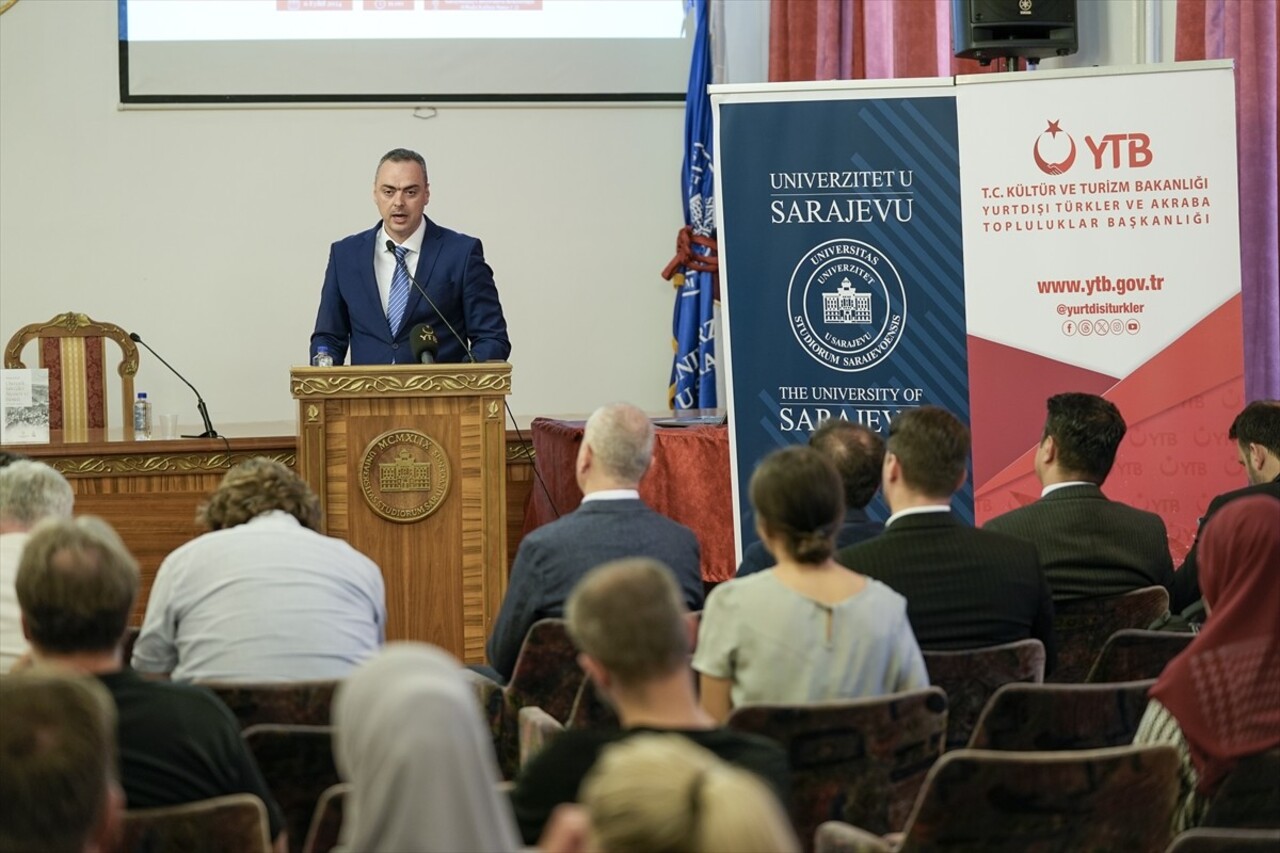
column 857, row 527
column 553, row 558
column 451, row 268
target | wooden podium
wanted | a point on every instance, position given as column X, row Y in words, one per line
column 409, row 463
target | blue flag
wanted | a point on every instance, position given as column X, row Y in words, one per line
column 693, row 270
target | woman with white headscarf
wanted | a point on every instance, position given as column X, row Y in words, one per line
column 408, row 736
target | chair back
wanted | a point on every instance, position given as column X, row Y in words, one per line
column 546, row 673
column 297, row 703
column 1082, row 627
column 297, row 765
column 73, row 349
column 592, row 712
column 1046, row 717
column 1249, row 796
column 1203, row 840
column 537, row 729
column 970, row 676
column 859, row 760
column 326, row 825
column 1095, row 799
column 1135, row 654
column 235, row 822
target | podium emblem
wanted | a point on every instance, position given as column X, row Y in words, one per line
column 404, row 475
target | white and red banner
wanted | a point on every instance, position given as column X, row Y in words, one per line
column 1101, row 254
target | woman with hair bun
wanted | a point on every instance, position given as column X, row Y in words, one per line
column 808, row 629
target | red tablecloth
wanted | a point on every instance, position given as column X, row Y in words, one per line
column 688, row 482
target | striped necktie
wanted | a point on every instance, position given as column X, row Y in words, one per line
column 399, row 297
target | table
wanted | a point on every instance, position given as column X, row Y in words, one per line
column 688, row 482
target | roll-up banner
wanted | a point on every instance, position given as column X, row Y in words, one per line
column 981, row 244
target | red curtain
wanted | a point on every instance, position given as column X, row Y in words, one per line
column 862, row 40
column 1247, row 33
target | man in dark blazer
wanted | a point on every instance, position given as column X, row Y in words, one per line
column 1089, row 546
column 365, row 304
column 965, row 588
column 1256, row 432
column 858, row 454
column 612, row 523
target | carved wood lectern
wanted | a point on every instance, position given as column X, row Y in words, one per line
column 409, row 464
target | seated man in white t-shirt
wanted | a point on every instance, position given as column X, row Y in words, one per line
column 263, row 596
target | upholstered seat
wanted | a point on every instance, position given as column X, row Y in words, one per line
column 546, row 675
column 970, row 676
column 236, row 822
column 537, row 729
column 1135, row 654
column 1030, row 717
column 1226, row 841
column 297, row 765
column 326, row 825
column 976, row 800
column 860, row 760
column 72, row 347
column 298, row 703
column 1082, row 627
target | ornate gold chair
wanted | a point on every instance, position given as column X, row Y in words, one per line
column 73, row 348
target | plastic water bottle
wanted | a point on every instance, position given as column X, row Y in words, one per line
column 323, row 358
column 142, row 417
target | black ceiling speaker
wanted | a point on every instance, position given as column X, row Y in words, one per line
column 1033, row 29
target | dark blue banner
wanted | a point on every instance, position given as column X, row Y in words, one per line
column 843, row 269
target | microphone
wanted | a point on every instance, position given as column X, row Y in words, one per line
column 391, row 247
column 424, row 343
column 209, row 431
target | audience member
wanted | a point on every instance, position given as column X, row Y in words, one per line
column 1217, row 700
column 29, row 493
column 177, row 742
column 611, row 523
column 409, row 738
column 629, row 624
column 858, row 454
column 663, row 794
column 58, row 788
column 808, row 629
column 8, row 457
column 965, row 588
column 1089, row 546
column 1256, row 432
column 263, row 596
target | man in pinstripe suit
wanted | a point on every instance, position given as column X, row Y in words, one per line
column 1089, row 546
column 965, row 588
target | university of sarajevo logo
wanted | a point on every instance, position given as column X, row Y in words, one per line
column 1055, row 148
column 846, row 305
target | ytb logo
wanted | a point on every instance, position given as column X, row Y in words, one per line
column 1111, row 151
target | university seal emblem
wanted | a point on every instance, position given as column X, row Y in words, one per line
column 846, row 305
column 404, row 475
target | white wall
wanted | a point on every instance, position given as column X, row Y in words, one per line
column 207, row 231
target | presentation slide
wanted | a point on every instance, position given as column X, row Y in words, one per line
column 211, row 51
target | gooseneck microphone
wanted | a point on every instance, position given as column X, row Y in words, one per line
column 391, row 247
column 209, row 431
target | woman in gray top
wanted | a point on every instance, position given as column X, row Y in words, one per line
column 808, row 629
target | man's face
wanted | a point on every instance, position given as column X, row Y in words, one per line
column 400, row 191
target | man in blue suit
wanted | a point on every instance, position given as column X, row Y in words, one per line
column 368, row 301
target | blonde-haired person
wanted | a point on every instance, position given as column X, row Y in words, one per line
column 808, row 629
column 263, row 596
column 664, row 794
